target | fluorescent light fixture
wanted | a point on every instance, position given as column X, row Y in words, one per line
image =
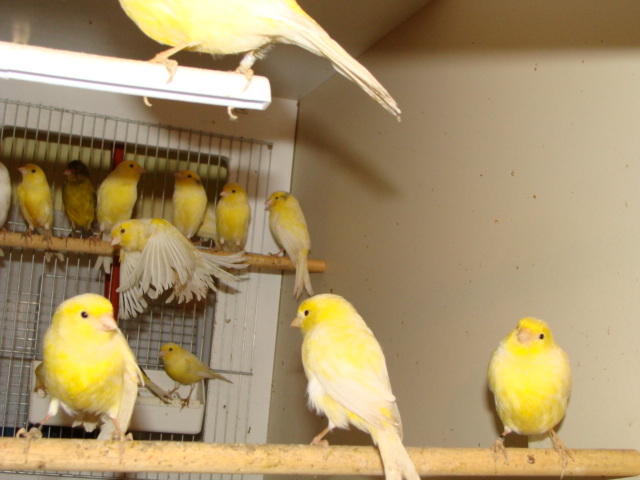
column 131, row 77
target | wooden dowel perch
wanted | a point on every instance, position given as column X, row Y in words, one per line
column 190, row 457
column 77, row 245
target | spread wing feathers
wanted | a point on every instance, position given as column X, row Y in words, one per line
column 169, row 261
column 303, row 31
column 358, row 381
column 132, row 378
column 132, row 299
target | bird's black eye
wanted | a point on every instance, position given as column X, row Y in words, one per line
column 33, row 170
column 233, row 191
column 189, row 176
column 122, row 230
column 541, row 336
column 84, row 314
column 171, row 349
column 131, row 165
column 306, row 313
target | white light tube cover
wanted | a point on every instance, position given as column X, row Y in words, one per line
column 131, row 77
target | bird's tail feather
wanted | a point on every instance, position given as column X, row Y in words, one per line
column 395, row 459
column 313, row 38
column 303, row 281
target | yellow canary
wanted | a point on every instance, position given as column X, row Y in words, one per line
column 232, row 217
column 156, row 257
column 79, row 197
column 34, row 199
column 185, row 368
column 222, row 27
column 530, row 377
column 117, row 196
column 89, row 368
column 189, row 203
column 289, row 228
column 348, row 379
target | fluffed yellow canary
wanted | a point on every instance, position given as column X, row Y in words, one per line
column 156, row 257
column 117, row 196
column 232, row 217
column 348, row 379
column 530, row 377
column 189, row 203
column 222, row 27
column 289, row 228
column 185, row 368
column 34, row 199
column 89, row 368
column 79, row 197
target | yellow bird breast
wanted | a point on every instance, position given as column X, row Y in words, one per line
column 84, row 380
column 531, row 391
column 211, row 26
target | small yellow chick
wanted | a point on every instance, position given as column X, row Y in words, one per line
column 232, row 217
column 185, row 368
column 189, row 203
column 289, row 228
column 530, row 377
column 89, row 368
column 34, row 199
column 79, row 197
column 156, row 257
column 117, row 196
column 222, row 27
column 348, row 379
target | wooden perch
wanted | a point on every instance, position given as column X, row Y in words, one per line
column 193, row 457
column 77, row 245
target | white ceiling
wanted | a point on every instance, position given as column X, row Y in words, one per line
column 101, row 27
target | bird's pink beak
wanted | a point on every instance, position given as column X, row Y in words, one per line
column 107, row 322
column 22, row 170
column 296, row 322
column 162, row 353
column 525, row 336
column 115, row 241
column 67, row 172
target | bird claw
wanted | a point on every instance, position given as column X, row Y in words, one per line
column 34, row 432
column 497, row 448
column 320, row 443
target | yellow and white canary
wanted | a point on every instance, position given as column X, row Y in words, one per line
column 530, row 377
column 232, row 217
column 189, row 203
column 117, row 197
column 348, row 379
column 184, row 368
column 79, row 197
column 156, row 257
column 89, row 368
column 289, row 229
column 222, row 27
column 34, row 199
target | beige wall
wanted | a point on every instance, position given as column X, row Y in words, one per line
column 511, row 188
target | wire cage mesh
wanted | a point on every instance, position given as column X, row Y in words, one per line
column 220, row 330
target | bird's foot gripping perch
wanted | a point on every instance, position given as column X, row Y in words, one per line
column 497, row 448
column 563, row 451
